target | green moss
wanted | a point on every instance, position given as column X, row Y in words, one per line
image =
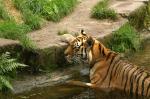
column 51, row 58
column 124, row 39
column 101, row 11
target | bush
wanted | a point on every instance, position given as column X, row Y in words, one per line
column 124, row 39
column 11, row 30
column 8, row 67
column 100, row 11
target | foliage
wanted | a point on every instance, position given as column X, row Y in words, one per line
column 8, row 66
column 33, row 10
column 33, row 20
column 52, row 9
column 141, row 18
column 12, row 30
column 124, row 39
column 101, row 11
column 3, row 13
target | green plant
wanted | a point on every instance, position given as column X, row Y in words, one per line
column 52, row 9
column 3, row 13
column 31, row 19
column 12, row 30
column 8, row 66
column 124, row 39
column 101, row 11
column 141, row 17
column 62, row 32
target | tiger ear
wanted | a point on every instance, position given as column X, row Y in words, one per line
column 83, row 32
column 90, row 42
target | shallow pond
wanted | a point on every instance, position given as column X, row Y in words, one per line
column 64, row 91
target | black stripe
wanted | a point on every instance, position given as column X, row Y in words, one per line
column 137, row 86
column 82, row 44
column 131, row 81
column 124, row 72
column 85, row 53
column 127, row 74
column 139, row 71
column 108, row 56
column 82, row 52
column 106, row 73
column 118, row 66
column 143, row 81
column 100, row 48
column 113, row 58
column 147, row 90
column 103, row 52
column 112, row 68
column 119, row 61
column 119, row 70
column 78, row 39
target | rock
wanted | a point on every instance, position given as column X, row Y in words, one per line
column 124, row 8
column 8, row 45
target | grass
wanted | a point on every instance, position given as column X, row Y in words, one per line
column 101, row 11
column 53, row 10
column 33, row 20
column 12, row 30
column 124, row 39
column 141, row 18
column 29, row 18
column 63, row 32
column 57, row 9
column 3, row 13
column 8, row 67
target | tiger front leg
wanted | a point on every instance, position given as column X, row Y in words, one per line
column 80, row 83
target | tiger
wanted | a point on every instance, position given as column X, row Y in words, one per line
column 107, row 68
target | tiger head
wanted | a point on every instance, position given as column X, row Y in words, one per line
column 78, row 49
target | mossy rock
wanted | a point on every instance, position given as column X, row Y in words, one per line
column 45, row 59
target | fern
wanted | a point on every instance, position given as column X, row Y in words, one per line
column 4, row 83
column 7, row 66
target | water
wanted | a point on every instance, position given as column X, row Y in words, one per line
column 142, row 58
column 64, row 91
